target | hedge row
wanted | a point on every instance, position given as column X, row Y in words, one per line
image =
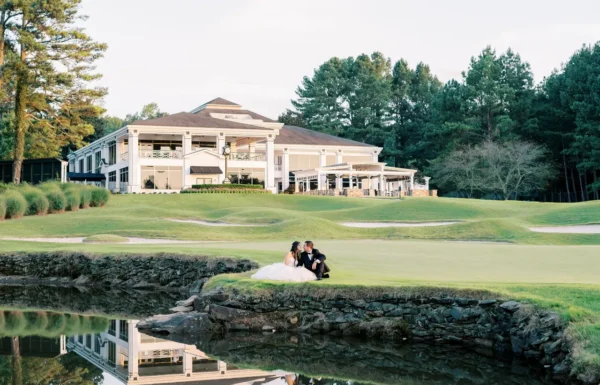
column 230, row 186
column 48, row 198
column 225, row 191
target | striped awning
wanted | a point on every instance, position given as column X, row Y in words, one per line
column 205, row 170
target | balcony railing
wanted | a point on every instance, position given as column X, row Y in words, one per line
column 161, row 154
column 247, row 156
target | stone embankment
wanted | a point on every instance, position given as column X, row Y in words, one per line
column 156, row 271
column 501, row 326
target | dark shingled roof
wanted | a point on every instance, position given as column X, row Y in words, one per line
column 254, row 115
column 187, row 119
column 299, row 135
column 221, row 101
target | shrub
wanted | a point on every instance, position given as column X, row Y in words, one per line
column 16, row 205
column 2, row 208
column 37, row 203
column 227, row 186
column 99, row 197
column 50, row 186
column 86, row 197
column 73, row 199
column 57, row 200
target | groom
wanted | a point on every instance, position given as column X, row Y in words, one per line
column 314, row 261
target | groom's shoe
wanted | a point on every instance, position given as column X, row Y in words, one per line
column 325, row 276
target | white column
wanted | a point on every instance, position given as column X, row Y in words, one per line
column 219, row 150
column 338, row 157
column 285, row 170
column 297, row 186
column 186, row 139
column 322, row 163
column 134, row 162
column 222, row 367
column 188, row 364
column 381, row 184
column 270, row 169
column 220, row 143
column 187, row 143
column 375, row 156
column 319, row 181
column 412, row 182
column 338, row 182
column 351, row 185
column 307, row 185
column 252, row 147
column 133, row 350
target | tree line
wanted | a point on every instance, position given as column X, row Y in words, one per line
column 493, row 132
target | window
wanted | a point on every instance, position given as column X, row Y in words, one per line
column 80, row 339
column 124, row 175
column 97, row 344
column 98, row 162
column 112, row 153
column 89, row 163
column 112, row 328
column 80, row 166
column 88, row 341
column 161, row 178
column 123, row 330
column 112, row 176
column 72, row 166
column 112, row 352
column 204, row 181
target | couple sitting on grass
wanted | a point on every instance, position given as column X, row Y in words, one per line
column 301, row 264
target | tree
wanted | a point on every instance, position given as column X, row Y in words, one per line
column 52, row 65
column 149, row 111
column 292, row 118
column 508, row 169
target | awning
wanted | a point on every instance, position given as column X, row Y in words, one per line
column 205, row 170
column 87, row 176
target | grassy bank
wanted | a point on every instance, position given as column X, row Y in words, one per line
column 289, row 217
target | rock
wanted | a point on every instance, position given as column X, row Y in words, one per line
column 511, row 306
column 178, row 323
column 484, row 342
column 187, row 302
column 487, row 302
column 222, row 313
column 268, row 328
column 550, row 321
column 144, row 285
column 561, row 368
column 196, row 287
column 551, row 348
column 181, row 309
column 517, row 344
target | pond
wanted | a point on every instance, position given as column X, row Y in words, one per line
column 66, row 335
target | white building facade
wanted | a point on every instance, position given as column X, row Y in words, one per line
column 175, row 152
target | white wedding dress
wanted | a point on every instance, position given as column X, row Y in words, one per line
column 287, row 271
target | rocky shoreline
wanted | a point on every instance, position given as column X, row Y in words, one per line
column 499, row 326
column 138, row 271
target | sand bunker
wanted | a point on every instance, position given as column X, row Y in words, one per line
column 130, row 240
column 216, row 224
column 378, row 225
column 579, row 229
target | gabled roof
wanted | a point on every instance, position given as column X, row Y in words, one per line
column 253, row 115
column 299, row 135
column 187, row 119
column 221, row 101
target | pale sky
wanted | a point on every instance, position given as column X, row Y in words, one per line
column 182, row 53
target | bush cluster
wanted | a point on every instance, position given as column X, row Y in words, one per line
column 227, row 186
column 48, row 197
column 225, row 191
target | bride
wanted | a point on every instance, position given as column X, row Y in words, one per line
column 288, row 270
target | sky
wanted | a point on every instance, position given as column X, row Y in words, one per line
column 183, row 53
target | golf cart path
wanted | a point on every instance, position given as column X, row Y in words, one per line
column 577, row 229
column 378, row 225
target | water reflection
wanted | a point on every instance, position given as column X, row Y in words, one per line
column 51, row 347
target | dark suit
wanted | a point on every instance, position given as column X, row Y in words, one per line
column 306, row 261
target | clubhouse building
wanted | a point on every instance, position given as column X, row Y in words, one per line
column 219, row 142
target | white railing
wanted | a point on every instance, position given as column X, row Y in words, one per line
column 99, row 361
column 163, row 353
column 247, row 156
column 161, row 154
column 124, row 156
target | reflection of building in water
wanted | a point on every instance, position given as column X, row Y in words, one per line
column 157, row 361
column 34, row 346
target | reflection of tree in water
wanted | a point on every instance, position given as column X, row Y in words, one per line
column 68, row 369
column 48, row 324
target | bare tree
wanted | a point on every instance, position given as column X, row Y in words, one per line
column 508, row 169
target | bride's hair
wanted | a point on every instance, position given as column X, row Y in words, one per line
column 294, row 249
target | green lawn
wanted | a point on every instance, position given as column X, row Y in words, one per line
column 557, row 271
column 285, row 217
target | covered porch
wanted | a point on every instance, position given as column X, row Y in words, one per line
column 355, row 179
